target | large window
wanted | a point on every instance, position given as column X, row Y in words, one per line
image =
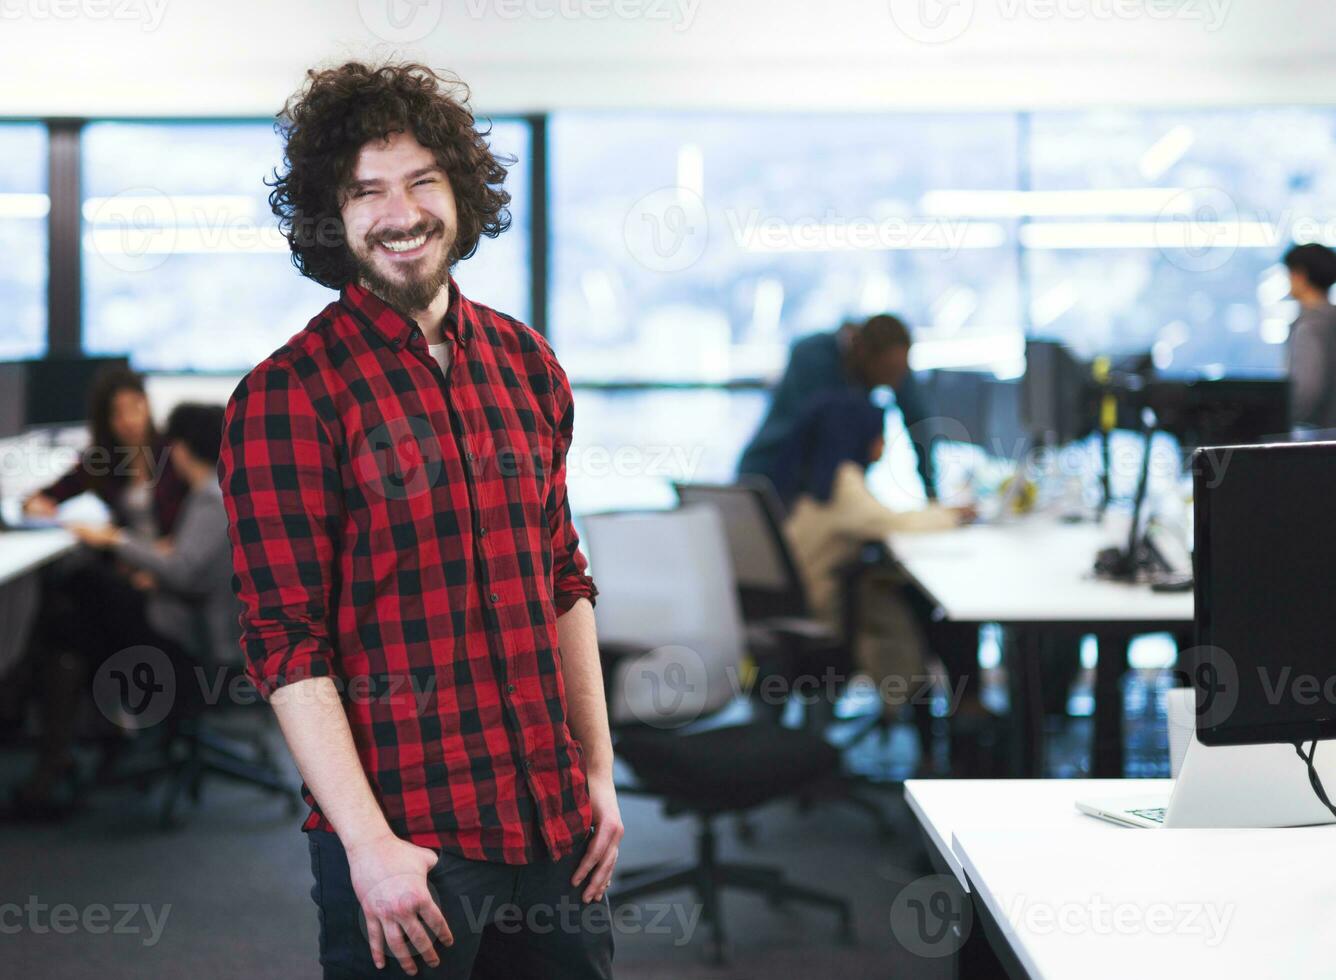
column 184, row 266
column 697, row 247
column 23, row 239
column 1163, row 231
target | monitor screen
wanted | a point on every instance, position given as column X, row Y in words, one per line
column 1265, row 569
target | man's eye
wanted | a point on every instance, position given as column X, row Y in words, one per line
column 425, row 180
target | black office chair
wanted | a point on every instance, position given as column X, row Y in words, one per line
column 774, row 599
column 229, row 739
column 670, row 634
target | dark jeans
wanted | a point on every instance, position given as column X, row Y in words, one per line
column 509, row 922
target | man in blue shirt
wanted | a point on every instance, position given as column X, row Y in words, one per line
column 857, row 356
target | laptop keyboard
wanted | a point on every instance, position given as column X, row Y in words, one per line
column 1153, row 814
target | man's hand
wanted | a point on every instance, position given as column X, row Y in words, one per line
column 601, row 855
column 390, row 878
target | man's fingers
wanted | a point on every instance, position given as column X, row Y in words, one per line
column 436, row 924
column 395, row 937
column 375, row 937
column 598, row 844
column 598, row 881
column 421, row 940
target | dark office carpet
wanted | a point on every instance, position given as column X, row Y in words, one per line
column 230, row 891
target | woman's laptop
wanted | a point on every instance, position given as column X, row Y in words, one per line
column 1223, row 785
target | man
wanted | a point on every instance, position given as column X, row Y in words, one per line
column 858, row 356
column 1312, row 349
column 416, row 607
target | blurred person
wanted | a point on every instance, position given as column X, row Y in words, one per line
column 395, row 484
column 857, row 357
column 1312, row 345
column 175, row 585
column 832, row 514
column 125, row 464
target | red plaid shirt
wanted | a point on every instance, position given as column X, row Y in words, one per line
column 407, row 533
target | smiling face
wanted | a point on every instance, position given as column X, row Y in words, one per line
column 400, row 222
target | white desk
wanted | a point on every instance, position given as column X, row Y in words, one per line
column 1036, row 570
column 945, row 807
column 1072, row 896
column 22, row 552
column 1034, row 576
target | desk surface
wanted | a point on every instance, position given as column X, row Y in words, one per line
column 1032, row 571
column 24, row 551
column 946, row 807
column 1079, row 897
column 1161, row 903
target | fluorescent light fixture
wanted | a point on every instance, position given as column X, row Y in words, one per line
column 1114, row 202
column 150, row 209
column 1150, row 234
column 954, row 307
column 999, row 348
column 1166, row 151
column 186, row 241
column 868, row 236
column 24, row 205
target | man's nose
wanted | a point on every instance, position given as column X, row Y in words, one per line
column 400, row 213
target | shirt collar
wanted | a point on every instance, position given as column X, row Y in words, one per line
column 395, row 328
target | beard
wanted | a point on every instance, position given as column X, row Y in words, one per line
column 415, row 286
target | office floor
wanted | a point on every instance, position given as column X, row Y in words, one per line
column 228, row 895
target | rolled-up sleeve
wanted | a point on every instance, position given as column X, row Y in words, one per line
column 570, row 581
column 280, row 479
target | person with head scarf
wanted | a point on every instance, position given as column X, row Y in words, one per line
column 822, row 480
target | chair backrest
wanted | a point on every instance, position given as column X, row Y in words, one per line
column 768, row 580
column 665, row 583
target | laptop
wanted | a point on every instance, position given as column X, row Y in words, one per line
column 1222, row 785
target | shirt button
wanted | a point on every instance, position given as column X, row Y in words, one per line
column 510, row 688
column 495, row 597
column 469, row 455
column 482, row 532
column 528, row 766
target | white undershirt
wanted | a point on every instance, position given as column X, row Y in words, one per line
column 442, row 354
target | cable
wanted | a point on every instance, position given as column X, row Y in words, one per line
column 1313, row 778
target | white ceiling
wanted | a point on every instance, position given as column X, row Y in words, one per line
column 242, row 57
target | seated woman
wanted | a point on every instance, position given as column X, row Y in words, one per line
column 125, row 463
column 176, row 598
column 831, row 515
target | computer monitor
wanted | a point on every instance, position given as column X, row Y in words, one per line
column 13, row 398
column 1226, row 412
column 1055, row 393
column 58, row 387
column 986, row 408
column 1265, row 543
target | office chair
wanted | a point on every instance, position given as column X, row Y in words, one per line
column 672, row 639
column 774, row 599
column 196, row 741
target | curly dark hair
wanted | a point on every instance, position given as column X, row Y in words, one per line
column 338, row 111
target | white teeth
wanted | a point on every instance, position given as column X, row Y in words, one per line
column 407, row 245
